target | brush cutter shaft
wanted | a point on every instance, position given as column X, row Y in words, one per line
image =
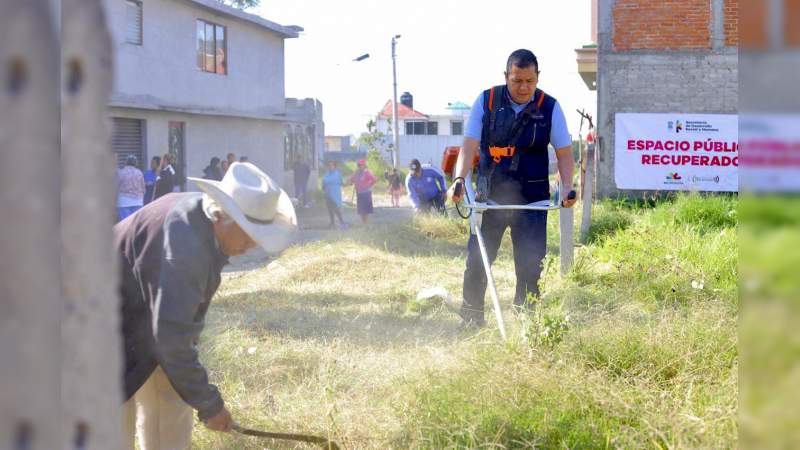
column 490, row 279
column 476, row 218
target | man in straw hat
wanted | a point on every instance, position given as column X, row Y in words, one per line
column 172, row 253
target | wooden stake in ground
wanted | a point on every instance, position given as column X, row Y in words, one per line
column 587, row 176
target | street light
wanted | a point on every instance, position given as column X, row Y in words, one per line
column 396, row 152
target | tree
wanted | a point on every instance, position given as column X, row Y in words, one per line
column 374, row 139
column 241, row 4
column 376, row 143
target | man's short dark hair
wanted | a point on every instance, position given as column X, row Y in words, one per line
column 523, row 59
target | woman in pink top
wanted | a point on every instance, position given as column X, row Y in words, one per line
column 363, row 180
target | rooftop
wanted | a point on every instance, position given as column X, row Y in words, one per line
column 403, row 111
column 286, row 31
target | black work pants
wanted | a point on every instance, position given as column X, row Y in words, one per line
column 436, row 203
column 529, row 240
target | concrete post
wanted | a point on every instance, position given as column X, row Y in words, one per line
column 91, row 391
column 395, row 117
column 29, row 245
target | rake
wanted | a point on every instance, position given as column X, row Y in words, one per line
column 321, row 441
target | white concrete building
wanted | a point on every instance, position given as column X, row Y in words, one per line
column 424, row 136
column 199, row 79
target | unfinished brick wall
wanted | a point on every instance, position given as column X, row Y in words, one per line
column 662, row 25
column 731, row 22
column 791, row 22
column 663, row 57
column 754, row 25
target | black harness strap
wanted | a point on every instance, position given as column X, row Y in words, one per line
column 526, row 116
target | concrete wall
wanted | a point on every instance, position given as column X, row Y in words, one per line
column 639, row 77
column 163, row 70
column 427, row 149
column 307, row 112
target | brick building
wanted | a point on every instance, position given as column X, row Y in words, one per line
column 672, row 56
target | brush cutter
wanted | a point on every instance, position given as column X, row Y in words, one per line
column 323, row 443
column 475, row 215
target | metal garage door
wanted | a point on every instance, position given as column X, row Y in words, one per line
column 127, row 138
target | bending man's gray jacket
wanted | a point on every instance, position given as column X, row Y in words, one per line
column 171, row 265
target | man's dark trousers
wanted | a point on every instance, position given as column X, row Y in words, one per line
column 436, row 203
column 529, row 240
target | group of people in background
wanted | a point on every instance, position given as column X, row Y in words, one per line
column 216, row 168
column 425, row 185
column 362, row 179
column 136, row 189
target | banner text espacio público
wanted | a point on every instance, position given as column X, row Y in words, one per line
column 697, row 152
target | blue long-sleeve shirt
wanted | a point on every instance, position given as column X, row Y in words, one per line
column 421, row 189
column 332, row 185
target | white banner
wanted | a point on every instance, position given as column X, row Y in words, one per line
column 770, row 152
column 697, row 152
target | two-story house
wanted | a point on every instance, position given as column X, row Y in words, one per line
column 424, row 136
column 199, row 79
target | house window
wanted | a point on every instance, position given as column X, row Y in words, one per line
column 133, row 22
column 432, row 128
column 415, row 127
column 212, row 48
column 457, row 128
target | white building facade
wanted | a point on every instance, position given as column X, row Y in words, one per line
column 425, row 136
column 197, row 79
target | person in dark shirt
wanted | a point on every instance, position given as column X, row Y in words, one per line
column 172, row 253
column 212, row 170
column 302, row 172
column 165, row 183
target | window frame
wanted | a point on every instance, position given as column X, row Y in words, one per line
column 140, row 5
column 461, row 123
column 413, row 124
column 215, row 48
column 431, row 124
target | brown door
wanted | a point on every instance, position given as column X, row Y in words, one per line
column 177, row 147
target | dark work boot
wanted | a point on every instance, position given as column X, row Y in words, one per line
column 471, row 320
column 526, row 305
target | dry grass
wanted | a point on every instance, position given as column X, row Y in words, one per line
column 323, row 341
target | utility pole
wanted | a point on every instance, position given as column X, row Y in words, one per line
column 395, row 129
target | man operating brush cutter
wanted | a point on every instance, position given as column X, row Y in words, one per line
column 172, row 252
column 511, row 127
